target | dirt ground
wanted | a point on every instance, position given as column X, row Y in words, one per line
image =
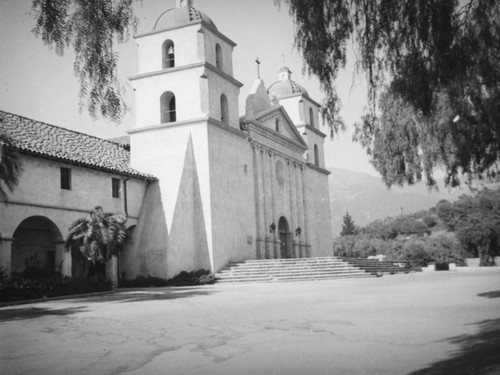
column 419, row 323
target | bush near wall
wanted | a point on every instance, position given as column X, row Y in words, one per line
column 20, row 288
column 37, row 281
column 184, row 278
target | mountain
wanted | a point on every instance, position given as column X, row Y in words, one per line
column 367, row 198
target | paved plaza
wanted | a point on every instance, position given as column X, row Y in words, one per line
column 419, row 323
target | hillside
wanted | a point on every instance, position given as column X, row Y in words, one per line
column 367, row 198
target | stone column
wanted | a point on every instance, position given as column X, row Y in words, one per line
column 306, row 214
column 6, row 254
column 260, row 239
column 63, row 259
column 112, row 270
column 272, row 177
column 266, row 204
column 300, row 211
column 293, row 208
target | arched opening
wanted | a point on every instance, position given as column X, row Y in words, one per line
column 167, row 105
column 311, row 117
column 316, row 155
column 277, row 124
column 168, row 54
column 285, row 238
column 218, row 56
column 36, row 243
column 224, row 110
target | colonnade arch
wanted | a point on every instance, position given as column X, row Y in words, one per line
column 37, row 239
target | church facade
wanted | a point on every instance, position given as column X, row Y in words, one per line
column 212, row 186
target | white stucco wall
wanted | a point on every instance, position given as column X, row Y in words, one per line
column 232, row 197
column 319, row 221
column 38, row 193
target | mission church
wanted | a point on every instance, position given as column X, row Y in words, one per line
column 202, row 185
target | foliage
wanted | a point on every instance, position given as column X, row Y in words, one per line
column 98, row 236
column 432, row 69
column 430, row 221
column 90, row 27
column 37, row 282
column 348, row 226
column 390, row 228
column 476, row 222
column 10, row 166
column 199, row 277
column 34, row 268
column 414, row 250
column 143, row 282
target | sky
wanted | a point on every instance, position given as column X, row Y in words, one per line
column 38, row 84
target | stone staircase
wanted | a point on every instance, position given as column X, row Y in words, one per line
column 266, row 270
column 376, row 267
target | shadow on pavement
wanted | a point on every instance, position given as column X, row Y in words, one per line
column 36, row 312
column 492, row 294
column 478, row 353
column 149, row 294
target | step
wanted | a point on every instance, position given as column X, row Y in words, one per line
column 294, row 269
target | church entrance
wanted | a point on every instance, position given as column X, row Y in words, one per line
column 285, row 238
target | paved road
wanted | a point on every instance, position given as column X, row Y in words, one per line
column 440, row 323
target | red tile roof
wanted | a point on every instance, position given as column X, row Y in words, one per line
column 53, row 142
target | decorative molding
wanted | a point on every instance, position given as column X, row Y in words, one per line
column 316, row 131
column 200, row 64
column 223, row 74
column 319, row 169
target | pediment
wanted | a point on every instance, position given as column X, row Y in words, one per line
column 286, row 127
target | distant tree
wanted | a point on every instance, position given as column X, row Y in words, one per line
column 433, row 74
column 476, row 222
column 10, row 166
column 90, row 28
column 98, row 236
column 348, row 226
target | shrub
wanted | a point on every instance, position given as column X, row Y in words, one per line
column 199, row 277
column 430, row 221
column 144, row 282
column 19, row 288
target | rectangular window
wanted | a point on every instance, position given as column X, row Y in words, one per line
column 65, row 178
column 115, row 187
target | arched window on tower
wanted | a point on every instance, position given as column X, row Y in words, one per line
column 167, row 105
column 316, row 155
column 218, row 56
column 277, row 124
column 168, row 54
column 311, row 117
column 224, row 110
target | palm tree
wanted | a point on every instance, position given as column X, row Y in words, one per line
column 98, row 236
column 10, row 166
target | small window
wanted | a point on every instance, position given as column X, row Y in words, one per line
column 167, row 104
column 115, row 187
column 168, row 54
column 277, row 124
column 316, row 155
column 224, row 110
column 218, row 56
column 311, row 117
column 65, row 178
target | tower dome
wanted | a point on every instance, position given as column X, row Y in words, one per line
column 184, row 14
column 285, row 86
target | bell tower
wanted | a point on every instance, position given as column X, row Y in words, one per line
column 184, row 84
